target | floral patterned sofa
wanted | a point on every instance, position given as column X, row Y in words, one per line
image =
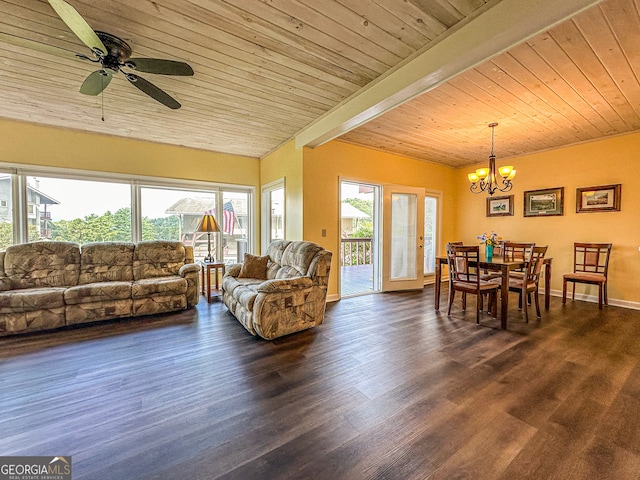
column 283, row 292
column 45, row 285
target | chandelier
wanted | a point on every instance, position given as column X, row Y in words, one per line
column 486, row 179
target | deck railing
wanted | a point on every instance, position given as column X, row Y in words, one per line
column 355, row 251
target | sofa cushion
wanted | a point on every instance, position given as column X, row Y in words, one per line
column 298, row 256
column 104, row 262
column 173, row 285
column 157, row 258
column 27, row 300
column 43, row 264
column 97, row 292
column 254, row 267
column 244, row 290
column 275, row 250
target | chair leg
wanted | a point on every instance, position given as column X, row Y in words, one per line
column 537, row 299
column 520, row 301
column 573, row 294
column 478, row 308
column 452, row 294
column 464, row 302
column 600, row 297
column 564, row 290
column 494, row 307
column 525, row 307
column 604, row 287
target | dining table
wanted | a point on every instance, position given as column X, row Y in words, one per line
column 497, row 264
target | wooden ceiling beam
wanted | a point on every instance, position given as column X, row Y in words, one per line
column 498, row 27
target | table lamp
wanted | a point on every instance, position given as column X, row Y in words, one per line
column 208, row 224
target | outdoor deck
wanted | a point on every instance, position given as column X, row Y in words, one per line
column 356, row 280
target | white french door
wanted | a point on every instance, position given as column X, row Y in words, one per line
column 402, row 238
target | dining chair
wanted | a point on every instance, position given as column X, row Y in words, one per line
column 511, row 251
column 528, row 282
column 516, row 250
column 465, row 278
column 590, row 266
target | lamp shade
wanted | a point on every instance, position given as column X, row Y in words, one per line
column 208, row 224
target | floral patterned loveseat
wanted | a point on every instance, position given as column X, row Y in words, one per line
column 45, row 285
column 283, row 292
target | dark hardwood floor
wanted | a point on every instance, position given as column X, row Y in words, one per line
column 385, row 388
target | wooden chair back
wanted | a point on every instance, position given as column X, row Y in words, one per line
column 460, row 258
column 534, row 265
column 513, row 251
column 591, row 257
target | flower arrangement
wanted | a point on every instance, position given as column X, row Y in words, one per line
column 492, row 239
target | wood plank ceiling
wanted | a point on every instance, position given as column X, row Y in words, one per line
column 265, row 70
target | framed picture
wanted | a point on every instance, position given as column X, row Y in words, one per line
column 605, row 198
column 500, row 206
column 543, row 203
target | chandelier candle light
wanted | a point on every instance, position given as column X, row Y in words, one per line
column 486, row 179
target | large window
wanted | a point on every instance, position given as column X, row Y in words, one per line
column 73, row 206
column 6, row 211
column 272, row 212
column 79, row 211
column 235, row 225
column 173, row 214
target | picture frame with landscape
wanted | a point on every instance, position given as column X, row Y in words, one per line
column 544, row 203
column 500, row 206
column 604, row 198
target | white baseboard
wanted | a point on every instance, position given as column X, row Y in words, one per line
column 554, row 293
column 594, row 299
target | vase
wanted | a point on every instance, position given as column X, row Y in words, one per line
column 488, row 252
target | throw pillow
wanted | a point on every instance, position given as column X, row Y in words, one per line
column 254, row 267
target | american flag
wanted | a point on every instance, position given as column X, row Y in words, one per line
column 229, row 217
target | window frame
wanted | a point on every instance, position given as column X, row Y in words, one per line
column 19, row 193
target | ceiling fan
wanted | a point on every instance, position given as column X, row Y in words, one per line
column 112, row 53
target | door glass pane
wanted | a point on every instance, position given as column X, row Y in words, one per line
column 6, row 212
column 235, row 226
column 79, row 211
column 430, row 217
column 403, row 236
column 277, row 214
column 358, row 212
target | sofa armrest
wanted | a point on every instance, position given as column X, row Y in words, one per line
column 233, row 270
column 284, row 285
column 189, row 268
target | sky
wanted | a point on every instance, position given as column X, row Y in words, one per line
column 78, row 197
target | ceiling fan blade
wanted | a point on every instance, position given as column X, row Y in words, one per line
column 35, row 45
column 157, row 65
column 95, row 83
column 78, row 25
column 154, row 92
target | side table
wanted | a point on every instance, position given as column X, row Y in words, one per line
column 205, row 278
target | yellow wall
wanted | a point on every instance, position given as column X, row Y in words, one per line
column 312, row 179
column 286, row 162
column 325, row 166
column 603, row 162
column 48, row 146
